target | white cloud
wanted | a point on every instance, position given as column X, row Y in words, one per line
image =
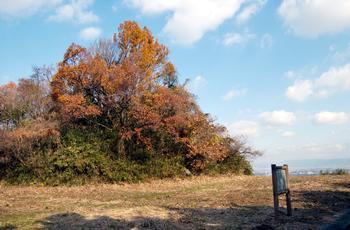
column 90, row 33
column 332, row 118
column 76, row 11
column 287, row 134
column 279, row 117
column 266, row 41
column 72, row 10
column 320, row 148
column 231, row 39
column 322, row 93
column 333, row 80
column 190, row 19
column 23, row 8
column 234, row 93
column 247, row 12
column 336, row 78
column 340, row 147
column 312, row 18
column 245, row 128
column 300, row 90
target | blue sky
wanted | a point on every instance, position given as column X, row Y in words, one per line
column 277, row 72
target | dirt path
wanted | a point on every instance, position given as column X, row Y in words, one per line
column 225, row 202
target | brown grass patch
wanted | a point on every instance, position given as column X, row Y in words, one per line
column 199, row 202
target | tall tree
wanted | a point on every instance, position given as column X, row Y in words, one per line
column 106, row 80
column 128, row 85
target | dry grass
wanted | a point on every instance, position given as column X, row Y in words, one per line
column 196, row 203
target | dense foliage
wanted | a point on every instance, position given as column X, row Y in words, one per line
column 112, row 112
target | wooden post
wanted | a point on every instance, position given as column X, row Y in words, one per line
column 280, row 186
column 274, row 187
column 288, row 195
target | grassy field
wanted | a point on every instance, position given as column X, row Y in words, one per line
column 225, row 202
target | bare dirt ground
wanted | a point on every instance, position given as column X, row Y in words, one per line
column 225, row 202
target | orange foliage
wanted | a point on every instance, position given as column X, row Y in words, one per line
column 126, row 90
column 128, row 85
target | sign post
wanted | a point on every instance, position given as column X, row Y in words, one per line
column 280, row 186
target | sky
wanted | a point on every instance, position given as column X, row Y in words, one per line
column 276, row 72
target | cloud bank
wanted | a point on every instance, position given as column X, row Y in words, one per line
column 313, row 18
column 190, row 19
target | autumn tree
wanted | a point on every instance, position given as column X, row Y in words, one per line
column 9, row 113
column 29, row 99
column 127, row 84
column 25, row 117
column 115, row 111
column 102, row 84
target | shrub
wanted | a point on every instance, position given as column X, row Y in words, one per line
column 233, row 164
column 84, row 156
column 19, row 144
column 38, row 152
column 334, row 172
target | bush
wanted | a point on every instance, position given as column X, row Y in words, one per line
column 85, row 156
column 166, row 167
column 19, row 145
column 334, row 172
column 233, row 164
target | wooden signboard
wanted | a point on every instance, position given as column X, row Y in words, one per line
column 280, row 187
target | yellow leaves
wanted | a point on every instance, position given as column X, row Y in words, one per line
column 132, row 39
column 140, row 46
